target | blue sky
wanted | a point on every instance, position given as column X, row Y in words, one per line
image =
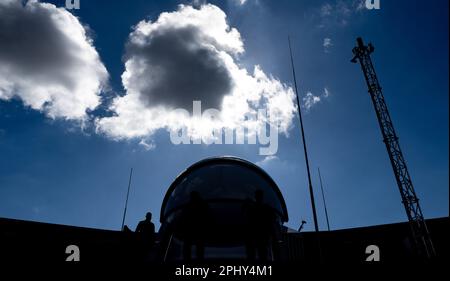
column 52, row 170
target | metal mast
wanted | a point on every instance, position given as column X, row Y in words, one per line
column 324, row 202
column 126, row 201
column 419, row 229
column 311, row 191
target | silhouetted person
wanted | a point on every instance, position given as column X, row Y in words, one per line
column 259, row 227
column 146, row 229
column 195, row 224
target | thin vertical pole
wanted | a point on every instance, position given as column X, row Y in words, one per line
column 323, row 198
column 311, row 192
column 126, row 201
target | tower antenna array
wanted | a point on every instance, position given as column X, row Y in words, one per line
column 420, row 234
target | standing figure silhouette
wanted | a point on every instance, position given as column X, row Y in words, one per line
column 259, row 227
column 195, row 226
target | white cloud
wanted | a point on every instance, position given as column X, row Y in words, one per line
column 339, row 12
column 186, row 55
column 310, row 100
column 277, row 167
column 48, row 61
column 267, row 161
column 326, row 92
column 147, row 145
column 327, row 44
column 326, row 9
